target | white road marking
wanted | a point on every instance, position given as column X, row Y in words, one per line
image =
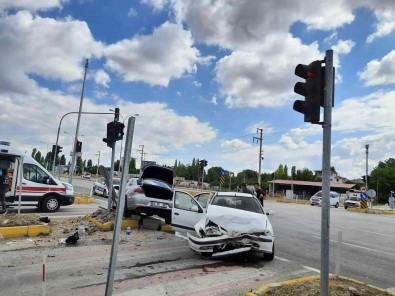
column 384, row 234
column 311, row 268
column 361, row 247
column 281, row 259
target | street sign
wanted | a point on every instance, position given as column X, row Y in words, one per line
column 371, row 193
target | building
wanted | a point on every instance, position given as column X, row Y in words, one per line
column 335, row 177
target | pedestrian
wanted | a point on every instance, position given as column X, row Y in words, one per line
column 3, row 188
column 244, row 189
column 260, row 194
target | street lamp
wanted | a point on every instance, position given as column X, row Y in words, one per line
column 120, row 151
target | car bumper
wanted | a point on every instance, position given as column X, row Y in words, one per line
column 226, row 245
column 67, row 200
column 142, row 204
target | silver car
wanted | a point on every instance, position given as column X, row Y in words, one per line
column 152, row 193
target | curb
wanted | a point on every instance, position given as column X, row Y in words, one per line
column 295, row 201
column 167, row 228
column 266, row 287
column 84, row 200
column 20, row 231
column 108, row 226
column 371, row 211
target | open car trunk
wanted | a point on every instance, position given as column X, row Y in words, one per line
column 157, row 189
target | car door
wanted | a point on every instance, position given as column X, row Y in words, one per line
column 186, row 211
column 202, row 198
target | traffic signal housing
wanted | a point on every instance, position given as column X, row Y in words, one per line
column 110, row 134
column 78, row 146
column 312, row 89
column 119, row 126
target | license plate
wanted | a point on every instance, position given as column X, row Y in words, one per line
column 158, row 204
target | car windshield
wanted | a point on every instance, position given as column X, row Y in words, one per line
column 318, row 194
column 245, row 203
column 116, row 181
column 354, row 198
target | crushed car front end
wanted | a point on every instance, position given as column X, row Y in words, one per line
column 219, row 236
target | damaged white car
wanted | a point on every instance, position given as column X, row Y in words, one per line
column 231, row 223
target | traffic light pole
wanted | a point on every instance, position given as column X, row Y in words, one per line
column 120, row 207
column 326, row 165
column 111, row 181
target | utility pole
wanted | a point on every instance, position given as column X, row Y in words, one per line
column 366, row 175
column 259, row 130
column 78, row 126
column 142, row 155
column 98, row 163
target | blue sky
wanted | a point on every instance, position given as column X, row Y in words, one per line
column 202, row 75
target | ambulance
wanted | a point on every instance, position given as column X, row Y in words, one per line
column 30, row 184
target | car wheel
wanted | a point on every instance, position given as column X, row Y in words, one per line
column 269, row 256
column 105, row 193
column 93, row 190
column 336, row 205
column 168, row 220
column 50, row 204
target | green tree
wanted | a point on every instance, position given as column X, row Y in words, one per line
column 382, row 179
column 89, row 163
column 34, row 152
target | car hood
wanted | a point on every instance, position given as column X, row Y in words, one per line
column 159, row 173
column 235, row 221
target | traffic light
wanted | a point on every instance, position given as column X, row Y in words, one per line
column 110, row 139
column 364, row 179
column 119, row 131
column 59, row 150
column 116, row 114
column 56, row 149
column 312, row 89
column 204, row 162
column 78, row 146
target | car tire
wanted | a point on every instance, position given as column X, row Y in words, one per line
column 269, row 256
column 50, row 204
column 168, row 220
column 336, row 205
column 105, row 193
column 93, row 191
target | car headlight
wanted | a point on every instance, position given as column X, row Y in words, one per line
column 213, row 230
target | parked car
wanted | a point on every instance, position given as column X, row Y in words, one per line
column 100, row 187
column 233, row 223
column 316, row 199
column 86, row 175
column 352, row 201
column 152, row 193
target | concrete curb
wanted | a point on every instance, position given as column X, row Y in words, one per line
column 266, row 287
column 20, row 231
column 108, row 226
column 167, row 228
column 84, row 200
column 297, row 201
column 371, row 211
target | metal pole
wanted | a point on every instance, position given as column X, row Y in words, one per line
column 120, row 208
column 326, row 166
column 110, row 185
column 230, row 179
column 260, row 153
column 78, row 124
column 366, row 175
column 60, row 123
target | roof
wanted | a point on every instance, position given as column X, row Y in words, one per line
column 310, row 183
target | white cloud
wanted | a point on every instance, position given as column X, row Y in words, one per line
column 196, row 83
column 157, row 4
column 102, row 78
column 261, row 77
column 379, row 72
column 235, row 143
column 132, row 12
column 155, row 59
column 46, row 47
column 386, row 23
column 32, row 5
column 265, row 126
column 214, row 100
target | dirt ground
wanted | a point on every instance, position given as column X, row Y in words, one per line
column 61, row 228
column 337, row 287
